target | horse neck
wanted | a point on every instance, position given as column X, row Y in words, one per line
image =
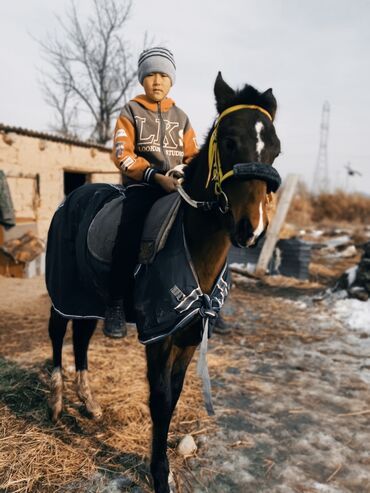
column 206, row 232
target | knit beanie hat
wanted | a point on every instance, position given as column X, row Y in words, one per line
column 157, row 59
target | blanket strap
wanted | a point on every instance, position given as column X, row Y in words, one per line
column 202, row 367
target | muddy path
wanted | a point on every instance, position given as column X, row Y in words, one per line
column 291, row 388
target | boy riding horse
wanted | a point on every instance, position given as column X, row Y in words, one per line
column 153, row 138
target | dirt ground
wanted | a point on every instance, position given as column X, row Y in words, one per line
column 291, row 388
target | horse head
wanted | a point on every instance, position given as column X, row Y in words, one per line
column 242, row 148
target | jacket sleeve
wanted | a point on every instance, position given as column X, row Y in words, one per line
column 190, row 144
column 124, row 157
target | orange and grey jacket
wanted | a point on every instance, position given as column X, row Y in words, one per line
column 151, row 138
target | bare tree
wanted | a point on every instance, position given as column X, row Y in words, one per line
column 91, row 69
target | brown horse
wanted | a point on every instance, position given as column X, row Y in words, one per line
column 225, row 192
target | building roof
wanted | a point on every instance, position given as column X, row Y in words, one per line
column 52, row 137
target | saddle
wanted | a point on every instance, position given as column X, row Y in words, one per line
column 102, row 232
column 157, row 227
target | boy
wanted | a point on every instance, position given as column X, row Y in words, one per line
column 152, row 137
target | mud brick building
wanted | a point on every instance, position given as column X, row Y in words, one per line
column 41, row 169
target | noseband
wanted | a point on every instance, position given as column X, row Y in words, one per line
column 241, row 171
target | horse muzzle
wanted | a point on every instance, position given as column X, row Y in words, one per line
column 244, row 236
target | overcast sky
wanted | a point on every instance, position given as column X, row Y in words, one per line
column 308, row 51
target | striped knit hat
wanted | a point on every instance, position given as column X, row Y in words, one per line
column 157, row 59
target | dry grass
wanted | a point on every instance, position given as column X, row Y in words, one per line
column 38, row 457
column 328, row 207
column 301, row 209
column 34, row 460
column 341, row 206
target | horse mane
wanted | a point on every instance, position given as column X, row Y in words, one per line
column 225, row 98
column 250, row 95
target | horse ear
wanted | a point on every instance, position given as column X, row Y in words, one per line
column 269, row 102
column 223, row 93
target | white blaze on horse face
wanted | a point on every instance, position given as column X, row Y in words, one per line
column 260, row 227
column 260, row 144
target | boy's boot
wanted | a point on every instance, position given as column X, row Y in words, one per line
column 115, row 321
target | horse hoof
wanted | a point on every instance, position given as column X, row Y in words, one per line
column 85, row 395
column 94, row 409
column 55, row 414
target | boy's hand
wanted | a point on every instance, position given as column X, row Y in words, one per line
column 168, row 183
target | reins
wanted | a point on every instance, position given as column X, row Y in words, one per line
column 197, row 204
column 215, row 172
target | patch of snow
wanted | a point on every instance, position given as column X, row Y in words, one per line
column 355, row 313
column 301, row 305
column 248, row 267
column 325, row 488
column 339, row 241
column 316, row 233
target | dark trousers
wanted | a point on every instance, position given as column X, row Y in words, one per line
column 138, row 202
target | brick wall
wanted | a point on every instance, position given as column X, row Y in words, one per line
column 22, row 157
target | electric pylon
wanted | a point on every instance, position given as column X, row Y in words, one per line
column 321, row 176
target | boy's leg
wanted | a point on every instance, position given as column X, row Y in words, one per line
column 125, row 254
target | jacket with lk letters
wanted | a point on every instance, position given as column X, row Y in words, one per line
column 150, row 138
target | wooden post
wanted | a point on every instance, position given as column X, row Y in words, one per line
column 277, row 222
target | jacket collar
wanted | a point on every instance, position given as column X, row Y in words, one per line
column 165, row 105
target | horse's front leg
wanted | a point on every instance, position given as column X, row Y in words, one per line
column 160, row 357
column 167, row 364
column 181, row 362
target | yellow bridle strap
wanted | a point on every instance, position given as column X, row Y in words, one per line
column 214, row 164
column 243, row 107
column 226, row 175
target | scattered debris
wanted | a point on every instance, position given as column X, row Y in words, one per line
column 187, row 446
column 23, row 257
column 356, row 280
column 348, row 252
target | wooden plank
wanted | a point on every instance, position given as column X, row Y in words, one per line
column 277, row 222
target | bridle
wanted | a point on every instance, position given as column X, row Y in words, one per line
column 241, row 171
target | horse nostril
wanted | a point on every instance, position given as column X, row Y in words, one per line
column 243, row 233
column 246, row 228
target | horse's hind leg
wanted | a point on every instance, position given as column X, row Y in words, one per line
column 57, row 330
column 82, row 333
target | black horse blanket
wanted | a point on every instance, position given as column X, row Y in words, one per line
column 76, row 280
column 78, row 255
